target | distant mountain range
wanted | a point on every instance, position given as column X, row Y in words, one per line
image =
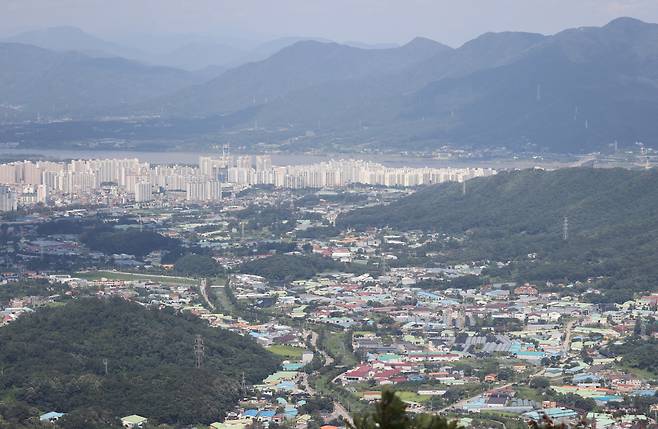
column 576, row 91
column 187, row 52
column 302, row 66
column 37, row 81
column 68, row 39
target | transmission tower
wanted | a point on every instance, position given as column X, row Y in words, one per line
column 464, row 187
column 382, row 264
column 565, row 229
column 105, row 365
column 199, row 350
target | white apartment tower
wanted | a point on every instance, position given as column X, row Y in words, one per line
column 42, row 194
column 8, row 200
column 143, row 192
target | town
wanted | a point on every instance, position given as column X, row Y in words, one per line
column 258, row 251
column 120, row 181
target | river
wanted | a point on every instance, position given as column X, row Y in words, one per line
column 192, row 157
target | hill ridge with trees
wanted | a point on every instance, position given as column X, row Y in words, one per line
column 54, row 360
column 612, row 227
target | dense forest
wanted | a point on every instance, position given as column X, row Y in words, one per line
column 104, row 237
column 131, row 242
column 55, row 360
column 636, row 353
column 612, row 227
column 277, row 219
column 197, row 266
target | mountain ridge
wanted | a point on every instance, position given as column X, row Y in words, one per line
column 576, row 91
column 45, row 82
column 53, row 359
column 301, row 65
column 514, row 214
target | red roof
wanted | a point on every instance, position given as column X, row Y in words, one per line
column 359, row 371
column 386, row 373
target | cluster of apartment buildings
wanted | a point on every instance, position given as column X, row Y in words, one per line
column 101, row 181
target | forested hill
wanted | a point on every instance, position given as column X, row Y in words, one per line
column 528, row 201
column 612, row 223
column 54, row 360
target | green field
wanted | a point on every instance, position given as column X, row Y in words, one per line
column 526, row 392
column 287, row 352
column 407, row 395
column 113, row 275
column 324, row 386
column 335, row 345
column 642, row 373
column 220, row 299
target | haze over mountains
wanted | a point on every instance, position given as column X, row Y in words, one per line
column 576, row 91
column 40, row 81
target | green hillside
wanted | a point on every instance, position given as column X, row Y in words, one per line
column 613, row 229
column 54, row 360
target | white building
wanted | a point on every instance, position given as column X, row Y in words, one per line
column 143, row 192
column 8, row 200
column 42, row 194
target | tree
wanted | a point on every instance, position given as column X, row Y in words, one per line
column 637, row 329
column 132, row 242
column 391, row 413
column 197, row 266
column 584, row 354
column 54, row 360
column 91, row 418
column 540, row 383
column 505, row 374
column 513, row 214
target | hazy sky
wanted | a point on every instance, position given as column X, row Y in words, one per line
column 448, row 21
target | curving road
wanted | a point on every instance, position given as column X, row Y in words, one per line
column 339, row 410
column 568, row 331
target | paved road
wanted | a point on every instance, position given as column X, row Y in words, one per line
column 339, row 410
column 203, row 287
column 307, row 387
column 463, row 402
column 568, row 331
column 328, row 360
